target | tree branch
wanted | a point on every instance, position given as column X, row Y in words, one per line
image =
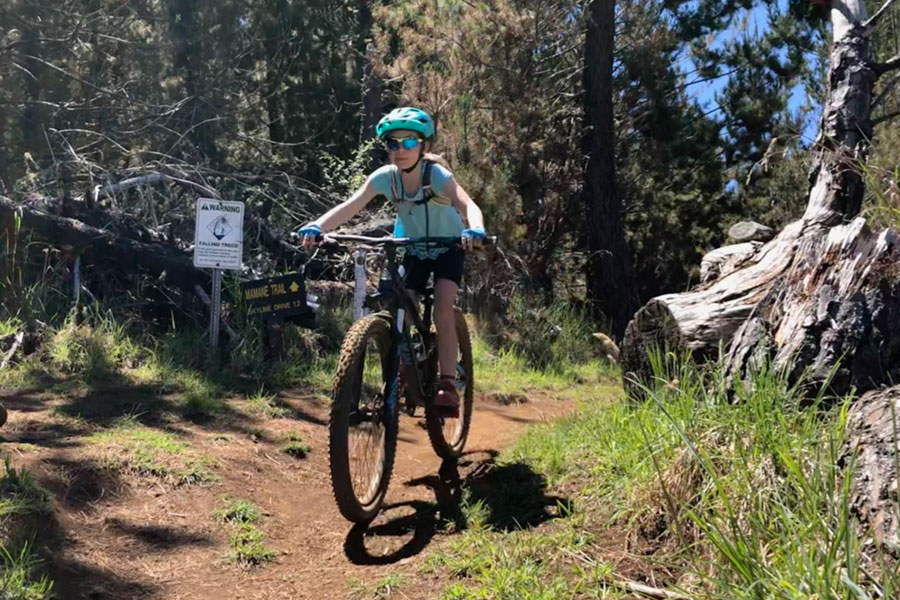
column 17, row 341
column 888, row 65
column 880, row 12
column 150, row 178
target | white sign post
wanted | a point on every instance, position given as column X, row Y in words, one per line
column 218, row 245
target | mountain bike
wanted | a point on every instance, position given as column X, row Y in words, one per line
column 365, row 410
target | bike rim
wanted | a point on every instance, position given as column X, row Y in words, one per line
column 367, row 430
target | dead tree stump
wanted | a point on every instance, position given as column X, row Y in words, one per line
column 826, row 289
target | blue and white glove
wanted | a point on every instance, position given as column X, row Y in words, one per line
column 310, row 234
column 476, row 235
column 472, row 238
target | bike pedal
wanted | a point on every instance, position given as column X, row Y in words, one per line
column 360, row 416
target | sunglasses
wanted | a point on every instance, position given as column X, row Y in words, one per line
column 408, row 143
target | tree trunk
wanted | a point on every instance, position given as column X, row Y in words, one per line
column 611, row 285
column 371, row 83
column 33, row 113
column 871, row 447
column 826, row 288
column 196, row 115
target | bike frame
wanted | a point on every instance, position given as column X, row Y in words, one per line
column 401, row 304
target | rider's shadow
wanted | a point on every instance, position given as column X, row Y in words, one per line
column 503, row 497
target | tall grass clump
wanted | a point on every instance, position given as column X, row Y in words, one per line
column 20, row 494
column 31, row 279
column 756, row 483
column 22, row 503
column 883, row 188
column 18, row 575
column 548, row 337
column 93, row 351
column 729, row 492
column 882, row 175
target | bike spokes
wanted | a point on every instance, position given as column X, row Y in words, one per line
column 366, row 435
column 448, row 434
column 363, row 426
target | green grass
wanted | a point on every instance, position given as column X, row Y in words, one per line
column 146, row 451
column 506, row 372
column 263, row 405
column 295, row 445
column 92, row 354
column 740, row 499
column 9, row 326
column 882, row 177
column 384, row 588
column 18, row 578
column 19, row 492
column 20, row 496
column 247, row 547
column 239, row 511
column 245, row 539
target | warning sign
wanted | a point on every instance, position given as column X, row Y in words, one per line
column 219, row 234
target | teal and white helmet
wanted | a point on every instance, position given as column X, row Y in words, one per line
column 409, row 118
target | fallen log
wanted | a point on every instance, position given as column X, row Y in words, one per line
column 168, row 265
column 724, row 260
column 825, row 288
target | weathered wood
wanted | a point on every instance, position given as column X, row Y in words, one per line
column 873, row 424
column 17, row 341
column 837, row 304
column 750, row 231
column 724, row 260
column 635, row 587
column 826, row 288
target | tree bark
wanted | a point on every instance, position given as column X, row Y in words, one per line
column 371, row 83
column 196, row 116
column 611, row 285
column 871, row 448
column 826, row 289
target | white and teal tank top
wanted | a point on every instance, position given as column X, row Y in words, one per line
column 436, row 218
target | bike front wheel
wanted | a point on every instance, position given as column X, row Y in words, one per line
column 364, row 419
column 448, row 434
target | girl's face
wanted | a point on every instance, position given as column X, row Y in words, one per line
column 403, row 157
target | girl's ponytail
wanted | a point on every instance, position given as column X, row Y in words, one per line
column 437, row 159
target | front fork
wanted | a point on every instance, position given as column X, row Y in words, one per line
column 393, row 384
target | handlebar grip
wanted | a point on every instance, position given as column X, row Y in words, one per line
column 297, row 237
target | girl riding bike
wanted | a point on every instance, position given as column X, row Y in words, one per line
column 429, row 203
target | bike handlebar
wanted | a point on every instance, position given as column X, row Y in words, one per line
column 402, row 241
column 388, row 240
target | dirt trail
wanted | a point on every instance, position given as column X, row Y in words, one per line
column 121, row 536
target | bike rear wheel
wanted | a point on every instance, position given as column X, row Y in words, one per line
column 448, row 434
column 364, row 419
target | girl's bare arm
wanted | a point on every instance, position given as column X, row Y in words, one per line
column 463, row 203
column 347, row 209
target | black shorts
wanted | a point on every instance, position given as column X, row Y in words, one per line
column 448, row 265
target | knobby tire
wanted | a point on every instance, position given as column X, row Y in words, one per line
column 457, row 428
column 346, row 394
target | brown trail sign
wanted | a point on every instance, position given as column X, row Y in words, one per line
column 277, row 300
